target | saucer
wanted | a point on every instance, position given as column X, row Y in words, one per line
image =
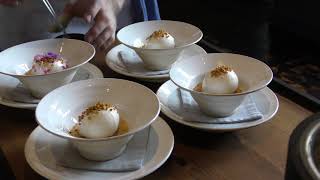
column 140, row 72
column 265, row 100
column 9, row 84
column 42, row 159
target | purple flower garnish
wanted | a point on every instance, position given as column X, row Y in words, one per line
column 38, row 57
column 52, row 55
column 46, row 71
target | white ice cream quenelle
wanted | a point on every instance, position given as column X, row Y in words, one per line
column 221, row 80
column 100, row 123
column 46, row 64
column 40, row 69
column 159, row 40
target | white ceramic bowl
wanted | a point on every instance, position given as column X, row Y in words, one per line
column 58, row 112
column 253, row 75
column 17, row 60
column 159, row 59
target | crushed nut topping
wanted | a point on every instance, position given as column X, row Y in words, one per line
column 75, row 130
column 159, row 34
column 122, row 128
column 48, row 60
column 95, row 109
column 199, row 88
column 238, row 90
column 220, row 70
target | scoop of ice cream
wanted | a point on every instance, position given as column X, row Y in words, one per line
column 46, row 64
column 99, row 123
column 159, row 40
column 221, row 80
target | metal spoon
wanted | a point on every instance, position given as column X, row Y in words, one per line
column 55, row 17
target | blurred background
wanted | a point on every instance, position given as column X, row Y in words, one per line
column 284, row 34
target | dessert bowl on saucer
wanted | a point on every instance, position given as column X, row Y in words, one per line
column 135, row 35
column 253, row 75
column 134, row 67
column 59, row 110
column 17, row 61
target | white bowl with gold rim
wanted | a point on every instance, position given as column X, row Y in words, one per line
column 58, row 113
column 136, row 34
column 253, row 75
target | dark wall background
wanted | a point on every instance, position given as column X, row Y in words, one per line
column 244, row 26
column 299, row 17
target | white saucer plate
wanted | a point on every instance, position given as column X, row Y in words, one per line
column 113, row 61
column 42, row 160
column 266, row 102
column 8, row 83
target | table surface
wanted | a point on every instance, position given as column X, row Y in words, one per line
column 255, row 153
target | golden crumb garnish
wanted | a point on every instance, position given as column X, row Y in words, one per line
column 28, row 73
column 94, row 109
column 198, row 87
column 122, row 129
column 75, row 130
column 159, row 34
column 220, row 70
column 238, row 90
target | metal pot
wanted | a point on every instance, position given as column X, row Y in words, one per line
column 303, row 160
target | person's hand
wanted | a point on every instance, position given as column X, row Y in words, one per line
column 10, row 2
column 100, row 12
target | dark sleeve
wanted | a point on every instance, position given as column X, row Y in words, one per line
column 146, row 10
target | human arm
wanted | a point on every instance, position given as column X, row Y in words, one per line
column 101, row 14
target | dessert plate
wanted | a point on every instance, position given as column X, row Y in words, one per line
column 136, row 68
column 37, row 149
column 266, row 102
column 11, row 87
